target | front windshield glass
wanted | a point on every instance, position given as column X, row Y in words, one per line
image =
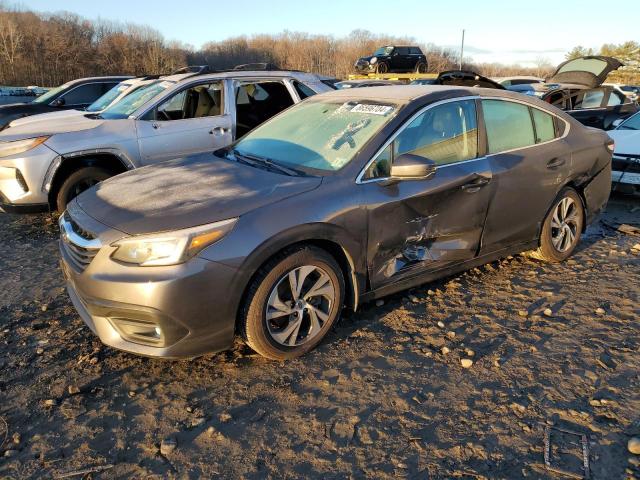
column 632, row 123
column 383, row 51
column 320, row 135
column 135, row 100
column 105, row 100
column 47, row 97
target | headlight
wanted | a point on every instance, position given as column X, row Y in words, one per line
column 170, row 248
column 19, row 146
column 373, row 60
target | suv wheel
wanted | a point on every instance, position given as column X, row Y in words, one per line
column 561, row 228
column 382, row 67
column 292, row 303
column 78, row 182
column 421, row 67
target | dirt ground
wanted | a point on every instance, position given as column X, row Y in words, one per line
column 380, row 398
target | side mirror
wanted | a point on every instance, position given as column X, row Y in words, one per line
column 410, row 167
column 616, row 123
column 58, row 102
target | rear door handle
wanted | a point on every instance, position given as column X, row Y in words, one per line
column 476, row 184
column 555, row 162
column 218, row 131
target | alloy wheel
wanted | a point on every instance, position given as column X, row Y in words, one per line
column 564, row 224
column 299, row 305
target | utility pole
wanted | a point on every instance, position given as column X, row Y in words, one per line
column 462, row 49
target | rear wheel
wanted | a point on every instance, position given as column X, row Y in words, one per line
column 78, row 182
column 292, row 303
column 421, row 67
column 562, row 227
column 382, row 68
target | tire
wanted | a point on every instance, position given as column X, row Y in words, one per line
column 289, row 332
column 382, row 68
column 78, row 182
column 421, row 67
column 568, row 217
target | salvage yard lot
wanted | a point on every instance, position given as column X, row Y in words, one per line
column 379, row 398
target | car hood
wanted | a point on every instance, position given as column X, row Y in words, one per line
column 187, row 192
column 45, row 117
column 627, row 141
column 466, row 78
column 589, row 71
column 51, row 126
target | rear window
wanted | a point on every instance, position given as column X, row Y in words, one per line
column 508, row 125
column 592, row 65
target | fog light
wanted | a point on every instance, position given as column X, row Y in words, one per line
column 137, row 331
column 12, row 183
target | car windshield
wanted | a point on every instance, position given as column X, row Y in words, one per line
column 322, row 135
column 632, row 123
column 135, row 100
column 47, row 97
column 383, row 51
column 105, row 100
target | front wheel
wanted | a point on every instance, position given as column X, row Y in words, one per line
column 78, row 182
column 292, row 303
column 562, row 227
column 382, row 68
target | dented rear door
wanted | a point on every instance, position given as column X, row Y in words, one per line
column 420, row 226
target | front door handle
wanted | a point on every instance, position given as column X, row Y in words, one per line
column 555, row 163
column 218, row 131
column 476, row 184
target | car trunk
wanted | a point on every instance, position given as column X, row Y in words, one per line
column 588, row 71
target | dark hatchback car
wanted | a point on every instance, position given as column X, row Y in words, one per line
column 576, row 87
column 76, row 94
column 348, row 196
column 394, row 58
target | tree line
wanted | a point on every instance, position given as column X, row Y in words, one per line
column 50, row 49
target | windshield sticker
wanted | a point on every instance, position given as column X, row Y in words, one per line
column 372, row 109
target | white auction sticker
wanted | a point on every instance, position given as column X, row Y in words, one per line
column 372, row 109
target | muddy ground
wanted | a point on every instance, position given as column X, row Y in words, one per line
column 550, row 344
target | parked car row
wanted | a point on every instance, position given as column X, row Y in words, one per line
column 262, row 215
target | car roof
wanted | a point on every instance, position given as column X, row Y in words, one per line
column 404, row 94
column 245, row 74
column 110, row 77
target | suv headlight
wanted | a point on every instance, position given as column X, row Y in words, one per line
column 19, row 146
column 373, row 60
column 170, row 248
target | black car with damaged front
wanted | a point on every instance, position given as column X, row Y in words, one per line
column 394, row 58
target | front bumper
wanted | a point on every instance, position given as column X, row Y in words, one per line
column 171, row 312
column 21, row 179
column 364, row 66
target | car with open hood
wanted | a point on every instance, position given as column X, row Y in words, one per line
column 577, row 87
column 346, row 197
column 43, row 165
column 76, row 94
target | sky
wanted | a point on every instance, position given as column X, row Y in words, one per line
column 496, row 31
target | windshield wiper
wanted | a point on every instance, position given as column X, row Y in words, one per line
column 257, row 160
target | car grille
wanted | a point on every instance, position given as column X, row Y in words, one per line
column 80, row 245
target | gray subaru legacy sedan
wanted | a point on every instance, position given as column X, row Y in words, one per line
column 346, row 197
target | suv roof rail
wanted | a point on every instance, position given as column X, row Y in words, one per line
column 195, row 69
column 257, row 66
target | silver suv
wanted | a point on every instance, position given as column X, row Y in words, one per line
column 46, row 164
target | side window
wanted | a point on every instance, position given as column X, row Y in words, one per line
column 257, row 102
column 614, row 99
column 415, row 51
column 545, row 129
column 194, row 102
column 508, row 125
column 303, row 90
column 87, row 93
column 402, row 50
column 589, row 99
column 446, row 134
